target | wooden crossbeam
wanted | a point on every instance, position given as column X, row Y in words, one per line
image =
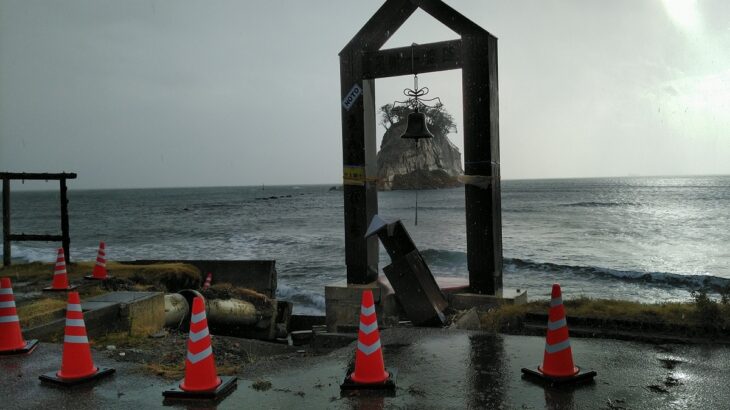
column 37, row 176
column 440, row 56
column 34, row 237
column 8, row 237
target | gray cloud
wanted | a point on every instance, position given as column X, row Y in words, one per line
column 183, row 93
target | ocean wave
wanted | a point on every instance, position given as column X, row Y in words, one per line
column 22, row 254
column 440, row 257
column 691, row 282
column 519, row 211
column 217, row 205
column 428, row 208
column 305, row 301
column 592, row 204
column 453, row 259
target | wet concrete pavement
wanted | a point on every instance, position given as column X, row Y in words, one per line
column 437, row 369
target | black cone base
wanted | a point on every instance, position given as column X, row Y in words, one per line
column 581, row 377
column 386, row 387
column 53, row 378
column 51, row 289
column 228, row 383
column 30, row 345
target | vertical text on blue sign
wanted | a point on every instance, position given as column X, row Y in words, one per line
column 352, row 96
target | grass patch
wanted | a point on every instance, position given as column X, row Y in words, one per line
column 33, row 271
column 703, row 312
column 120, row 340
column 677, row 313
column 168, row 371
column 506, row 317
column 261, row 385
column 40, row 311
column 177, row 371
column 227, row 369
column 169, row 276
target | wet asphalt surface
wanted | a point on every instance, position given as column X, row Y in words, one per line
column 437, row 369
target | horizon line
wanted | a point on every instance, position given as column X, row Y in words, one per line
column 339, row 184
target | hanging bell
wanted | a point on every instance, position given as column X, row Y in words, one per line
column 416, row 127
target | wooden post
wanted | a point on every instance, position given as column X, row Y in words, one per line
column 360, row 194
column 8, row 237
column 6, row 222
column 481, row 157
column 66, row 239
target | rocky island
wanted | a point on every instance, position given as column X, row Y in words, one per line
column 429, row 164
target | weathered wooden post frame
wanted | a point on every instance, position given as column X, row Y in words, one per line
column 361, row 62
column 8, row 236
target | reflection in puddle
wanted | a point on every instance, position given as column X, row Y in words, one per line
column 485, row 371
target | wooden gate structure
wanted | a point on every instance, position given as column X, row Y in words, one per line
column 361, row 62
column 64, row 238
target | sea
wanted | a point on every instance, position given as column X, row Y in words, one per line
column 650, row 239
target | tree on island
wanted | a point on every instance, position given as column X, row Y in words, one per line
column 438, row 119
column 431, row 164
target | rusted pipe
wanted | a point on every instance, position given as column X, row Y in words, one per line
column 225, row 312
column 231, row 312
column 176, row 309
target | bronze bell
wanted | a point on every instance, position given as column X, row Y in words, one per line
column 416, row 128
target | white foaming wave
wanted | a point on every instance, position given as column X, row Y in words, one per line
column 689, row 281
column 305, row 301
column 28, row 254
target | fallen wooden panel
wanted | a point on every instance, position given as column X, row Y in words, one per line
column 417, row 290
column 410, row 277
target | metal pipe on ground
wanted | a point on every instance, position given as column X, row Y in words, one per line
column 232, row 312
column 220, row 312
column 176, row 309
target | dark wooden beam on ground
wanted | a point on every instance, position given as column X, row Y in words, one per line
column 408, row 274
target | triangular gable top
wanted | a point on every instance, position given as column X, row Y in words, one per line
column 391, row 15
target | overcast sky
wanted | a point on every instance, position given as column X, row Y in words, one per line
column 191, row 93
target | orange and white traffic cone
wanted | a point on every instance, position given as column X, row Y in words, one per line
column 208, row 280
column 201, row 380
column 11, row 338
column 76, row 363
column 60, row 277
column 100, row 272
column 370, row 372
column 557, row 364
